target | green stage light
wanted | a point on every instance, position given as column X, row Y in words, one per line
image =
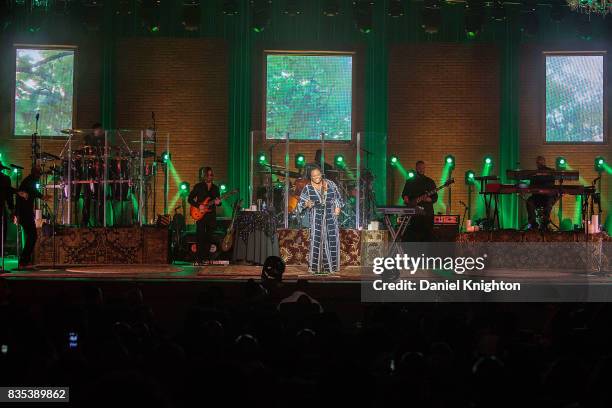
column 262, row 158
column 411, row 174
column 166, row 157
column 38, row 186
column 222, row 187
column 15, row 170
column 450, row 161
column 561, row 163
column 470, row 177
column 339, row 160
column 393, row 160
column 600, row 163
column 488, row 160
column 300, row 160
column 184, row 188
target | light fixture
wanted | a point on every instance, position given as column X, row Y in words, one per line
column 561, row 163
column 191, row 15
column 362, row 11
column 300, row 160
column 470, row 177
column 396, row 9
column 431, row 16
column 331, row 8
column 393, row 160
column 260, row 15
column 449, row 161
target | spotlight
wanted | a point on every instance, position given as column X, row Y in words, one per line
column 584, row 28
column 498, row 11
column 558, row 11
column 124, row 8
column 449, row 161
column 431, row 16
column 474, row 18
column 222, row 188
column 470, row 177
column 166, row 157
column 339, row 160
column 331, row 8
column 191, row 15
column 300, row 160
column 529, row 18
column 411, row 174
column 488, row 160
column 38, row 185
column 262, row 158
column 184, row 188
column 393, row 160
column 600, row 164
column 260, row 18
column 561, row 163
column 230, row 8
column 149, row 10
column 396, row 9
column 362, row 11
column 291, row 8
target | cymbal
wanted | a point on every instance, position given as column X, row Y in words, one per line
column 72, row 131
column 144, row 141
column 48, row 156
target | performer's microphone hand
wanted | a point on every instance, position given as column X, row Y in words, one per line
column 337, row 211
column 309, row 204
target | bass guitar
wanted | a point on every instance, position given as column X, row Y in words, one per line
column 415, row 201
column 208, row 205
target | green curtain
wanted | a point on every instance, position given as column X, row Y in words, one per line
column 509, row 119
column 376, row 107
column 239, row 126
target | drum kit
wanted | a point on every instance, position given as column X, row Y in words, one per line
column 276, row 179
column 110, row 172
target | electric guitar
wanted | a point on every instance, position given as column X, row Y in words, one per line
column 228, row 239
column 209, row 206
column 415, row 201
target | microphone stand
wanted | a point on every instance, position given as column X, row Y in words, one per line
column 35, row 141
column 154, row 155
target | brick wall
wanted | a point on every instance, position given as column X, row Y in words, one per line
column 532, row 131
column 185, row 82
column 443, row 99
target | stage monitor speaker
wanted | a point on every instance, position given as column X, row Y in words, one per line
column 446, row 228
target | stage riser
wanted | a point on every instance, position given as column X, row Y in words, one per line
column 105, row 246
column 354, row 245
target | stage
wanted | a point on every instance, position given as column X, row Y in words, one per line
column 181, row 271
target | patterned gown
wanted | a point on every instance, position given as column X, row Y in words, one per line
column 324, row 232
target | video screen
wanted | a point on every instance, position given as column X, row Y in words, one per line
column 574, row 98
column 44, row 85
column 307, row 95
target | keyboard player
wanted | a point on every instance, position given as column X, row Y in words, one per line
column 543, row 201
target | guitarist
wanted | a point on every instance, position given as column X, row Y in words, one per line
column 421, row 227
column 206, row 226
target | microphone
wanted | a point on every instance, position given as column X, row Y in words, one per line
column 37, row 115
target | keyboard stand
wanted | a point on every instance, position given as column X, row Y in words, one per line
column 396, row 233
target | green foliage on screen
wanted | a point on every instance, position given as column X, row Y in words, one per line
column 574, row 98
column 44, row 83
column 307, row 95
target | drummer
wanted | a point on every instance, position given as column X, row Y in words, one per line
column 96, row 138
column 93, row 197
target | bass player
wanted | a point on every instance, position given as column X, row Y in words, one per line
column 207, row 224
column 421, row 227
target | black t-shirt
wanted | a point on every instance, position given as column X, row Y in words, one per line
column 418, row 186
column 199, row 193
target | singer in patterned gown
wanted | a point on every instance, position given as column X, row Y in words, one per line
column 322, row 198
